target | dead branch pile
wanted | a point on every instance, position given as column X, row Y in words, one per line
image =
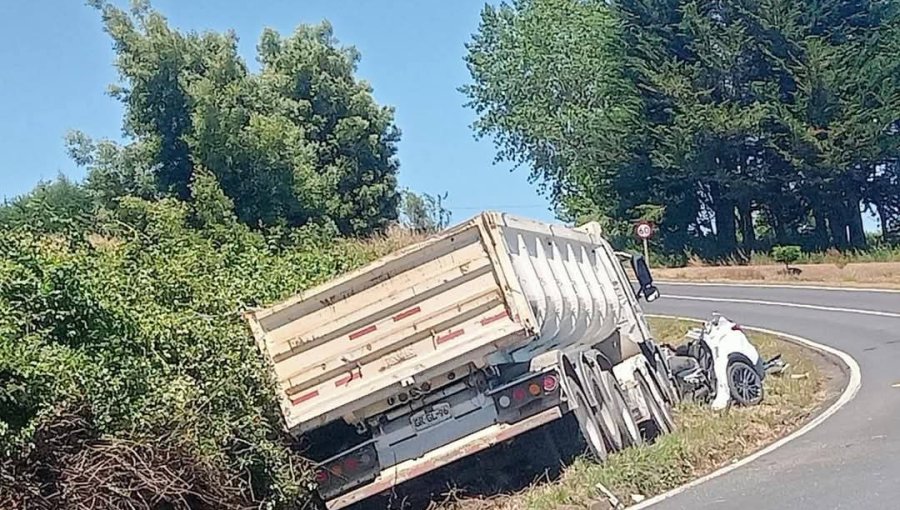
column 71, row 468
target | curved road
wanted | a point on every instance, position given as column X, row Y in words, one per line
column 850, row 461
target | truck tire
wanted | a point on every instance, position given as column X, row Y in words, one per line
column 605, row 411
column 664, row 379
column 587, row 422
column 657, row 423
column 628, row 427
column 665, row 409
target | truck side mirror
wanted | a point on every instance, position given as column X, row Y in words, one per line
column 645, row 279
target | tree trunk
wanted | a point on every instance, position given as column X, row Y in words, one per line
column 882, row 219
column 726, row 233
column 821, row 231
column 855, row 222
column 747, row 230
column 838, row 227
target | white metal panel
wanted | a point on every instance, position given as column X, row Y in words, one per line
column 567, row 286
column 411, row 316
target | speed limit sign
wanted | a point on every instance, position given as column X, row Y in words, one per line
column 644, row 230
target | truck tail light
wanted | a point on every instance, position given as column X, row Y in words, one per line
column 522, row 397
column 550, row 383
column 347, row 471
column 351, row 464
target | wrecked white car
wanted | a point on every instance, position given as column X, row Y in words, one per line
column 719, row 364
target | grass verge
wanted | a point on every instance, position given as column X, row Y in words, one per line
column 871, row 274
column 705, row 440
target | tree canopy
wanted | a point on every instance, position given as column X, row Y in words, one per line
column 740, row 123
column 302, row 140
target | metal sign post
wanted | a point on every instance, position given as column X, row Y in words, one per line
column 644, row 231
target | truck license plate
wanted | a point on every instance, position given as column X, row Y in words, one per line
column 430, row 417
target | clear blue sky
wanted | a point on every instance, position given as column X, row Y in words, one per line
column 56, row 63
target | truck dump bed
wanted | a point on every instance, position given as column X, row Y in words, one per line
column 493, row 289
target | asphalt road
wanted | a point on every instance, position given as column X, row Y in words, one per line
column 850, row 461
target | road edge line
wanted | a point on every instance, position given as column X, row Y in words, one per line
column 762, row 302
column 854, row 383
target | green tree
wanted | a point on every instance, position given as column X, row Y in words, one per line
column 550, row 88
column 422, row 212
column 51, row 207
column 787, row 255
column 732, row 112
column 300, row 141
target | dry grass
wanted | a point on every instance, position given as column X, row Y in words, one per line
column 704, row 441
column 868, row 274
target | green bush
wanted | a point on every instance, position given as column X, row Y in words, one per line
column 787, row 254
column 140, row 323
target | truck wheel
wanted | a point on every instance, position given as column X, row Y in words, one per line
column 627, row 425
column 657, row 423
column 664, row 379
column 745, row 383
column 587, row 423
column 665, row 409
column 605, row 412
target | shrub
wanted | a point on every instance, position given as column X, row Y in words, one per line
column 144, row 330
column 787, row 255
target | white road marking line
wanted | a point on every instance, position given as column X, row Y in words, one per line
column 849, row 392
column 790, row 305
column 798, row 286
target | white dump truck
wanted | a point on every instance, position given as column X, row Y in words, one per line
column 445, row 348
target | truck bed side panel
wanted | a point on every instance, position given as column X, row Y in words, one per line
column 334, row 348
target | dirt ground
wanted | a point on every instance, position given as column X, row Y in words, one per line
column 868, row 274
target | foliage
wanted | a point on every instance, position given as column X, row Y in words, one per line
column 300, row 141
column 786, row 255
column 140, row 323
column 422, row 212
column 127, row 373
column 561, row 104
column 755, row 124
column 50, row 207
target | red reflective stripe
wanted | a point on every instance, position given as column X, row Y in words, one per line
column 449, row 336
column 364, row 331
column 493, row 318
column 344, row 380
column 305, row 397
column 402, row 315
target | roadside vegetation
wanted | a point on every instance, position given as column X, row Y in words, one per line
column 877, row 266
column 128, row 378
column 705, row 440
column 732, row 127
